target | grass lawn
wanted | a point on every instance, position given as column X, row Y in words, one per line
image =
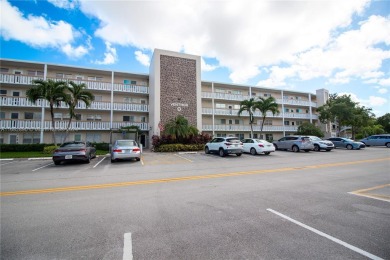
column 7, row 155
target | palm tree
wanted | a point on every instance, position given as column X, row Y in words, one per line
column 52, row 91
column 249, row 106
column 178, row 128
column 265, row 105
column 77, row 93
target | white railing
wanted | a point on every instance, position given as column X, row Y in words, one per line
column 247, row 128
column 234, row 112
column 24, row 102
column 63, row 124
column 96, row 85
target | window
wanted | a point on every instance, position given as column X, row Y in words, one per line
column 143, row 119
column 230, row 122
column 220, row 105
column 98, row 98
column 2, row 115
column 94, row 138
column 267, row 94
column 59, row 75
column 3, row 92
column 4, row 70
column 298, row 110
column 286, row 122
column 18, row 72
column 99, row 78
column 28, row 115
column 77, row 137
column 68, row 76
column 133, row 82
column 307, row 111
column 219, row 90
column 299, row 122
column 126, row 82
column 286, row 110
column 236, row 106
column 128, row 118
column 31, row 138
column 269, row 137
column 58, row 115
column 35, row 73
column 90, row 117
column 253, row 94
column 98, row 117
column 240, row 136
column 237, row 121
column 14, row 115
column 268, row 122
column 223, row 121
column 79, row 77
column 143, row 101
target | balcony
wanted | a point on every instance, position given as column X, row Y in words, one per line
column 92, row 85
column 20, row 125
column 247, row 128
column 98, row 105
column 234, row 112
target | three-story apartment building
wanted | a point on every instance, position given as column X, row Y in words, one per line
column 173, row 87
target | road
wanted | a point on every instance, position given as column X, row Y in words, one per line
column 316, row 205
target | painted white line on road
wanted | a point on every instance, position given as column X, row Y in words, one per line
column 338, row 241
column 41, row 167
column 6, row 163
column 40, row 158
column 127, row 247
column 99, row 162
column 6, row 159
column 183, row 158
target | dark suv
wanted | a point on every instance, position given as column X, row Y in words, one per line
column 294, row 143
column 224, row 146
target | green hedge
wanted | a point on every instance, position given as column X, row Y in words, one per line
column 40, row 147
column 179, row 147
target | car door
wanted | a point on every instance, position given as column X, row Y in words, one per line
column 245, row 143
column 338, row 142
column 248, row 145
column 282, row 143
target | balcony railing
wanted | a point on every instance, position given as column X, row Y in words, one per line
column 20, row 125
column 236, row 97
column 247, row 128
column 234, row 112
column 24, row 102
column 95, row 85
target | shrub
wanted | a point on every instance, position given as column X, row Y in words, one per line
column 22, row 147
column 199, row 140
column 101, row 146
column 179, row 147
column 49, row 149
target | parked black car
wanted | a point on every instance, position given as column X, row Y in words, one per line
column 74, row 151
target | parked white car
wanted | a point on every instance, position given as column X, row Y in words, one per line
column 257, row 146
column 224, row 146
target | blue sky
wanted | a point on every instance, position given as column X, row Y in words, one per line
column 343, row 46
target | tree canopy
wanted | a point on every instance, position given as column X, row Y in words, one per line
column 309, row 129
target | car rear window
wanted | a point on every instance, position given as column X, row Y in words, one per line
column 233, row 140
column 72, row 145
column 125, row 143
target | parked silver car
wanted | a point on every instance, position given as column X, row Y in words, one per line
column 377, row 140
column 294, row 143
column 74, row 151
column 224, row 146
column 320, row 144
column 125, row 149
column 340, row 142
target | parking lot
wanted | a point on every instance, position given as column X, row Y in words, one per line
column 195, row 206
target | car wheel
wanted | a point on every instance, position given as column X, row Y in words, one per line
column 138, row 159
column 206, row 150
column 112, row 160
column 253, row 151
column 295, row 149
column 88, row 159
column 221, row 152
column 349, row 147
column 238, row 154
column 57, row 162
column 388, row 145
column 317, row 148
column 267, row 153
column 276, row 147
column 306, row 151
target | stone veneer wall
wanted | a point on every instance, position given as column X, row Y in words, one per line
column 178, row 89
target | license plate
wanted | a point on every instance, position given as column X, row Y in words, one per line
column 126, row 151
column 68, row 156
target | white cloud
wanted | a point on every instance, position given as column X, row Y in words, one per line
column 372, row 101
column 110, row 56
column 384, row 82
column 65, row 4
column 38, row 32
column 142, row 58
column 382, row 90
column 207, row 67
column 242, row 35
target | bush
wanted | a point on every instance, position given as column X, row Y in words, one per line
column 22, row 147
column 101, row 146
column 179, row 147
column 49, row 149
column 199, row 140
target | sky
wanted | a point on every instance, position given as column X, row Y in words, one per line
column 339, row 45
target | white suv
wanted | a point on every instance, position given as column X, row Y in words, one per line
column 224, row 146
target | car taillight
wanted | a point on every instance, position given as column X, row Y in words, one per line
column 117, row 150
column 56, row 151
column 227, row 144
column 261, row 145
column 136, row 150
column 82, row 150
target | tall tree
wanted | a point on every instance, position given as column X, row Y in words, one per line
column 248, row 106
column 179, row 128
column 264, row 105
column 309, row 129
column 77, row 93
column 52, row 91
column 385, row 122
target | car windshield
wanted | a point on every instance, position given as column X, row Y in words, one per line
column 315, row 138
column 260, row 141
column 72, row 145
column 125, row 143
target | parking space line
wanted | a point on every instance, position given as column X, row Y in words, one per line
column 183, row 158
column 41, row 167
column 6, row 163
column 99, row 162
column 127, row 247
column 338, row 241
column 365, row 193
